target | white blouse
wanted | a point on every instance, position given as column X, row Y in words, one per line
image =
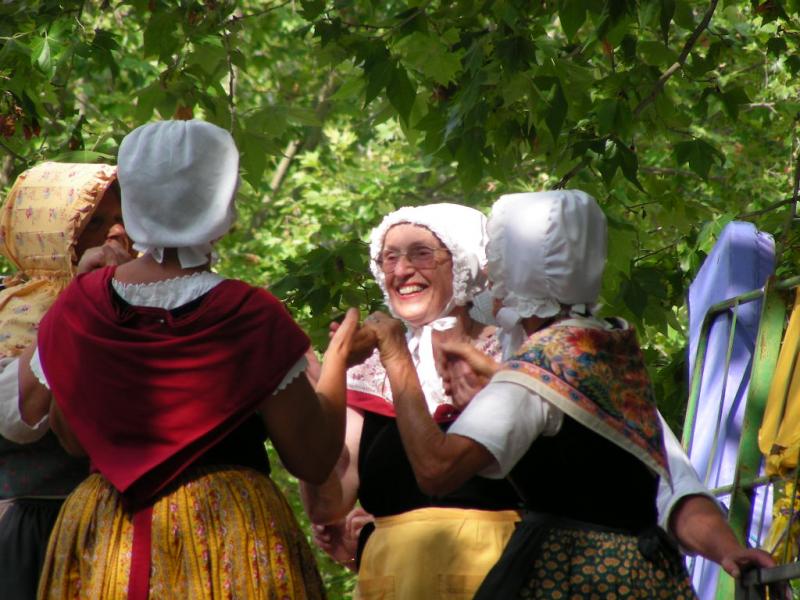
column 506, row 419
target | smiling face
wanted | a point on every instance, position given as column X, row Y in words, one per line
column 417, row 295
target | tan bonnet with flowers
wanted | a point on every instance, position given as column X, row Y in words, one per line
column 40, row 222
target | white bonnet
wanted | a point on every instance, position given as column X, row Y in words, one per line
column 461, row 229
column 178, row 180
column 546, row 249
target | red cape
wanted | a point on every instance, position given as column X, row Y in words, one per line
column 146, row 394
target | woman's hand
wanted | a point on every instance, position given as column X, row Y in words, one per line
column 390, row 335
column 362, row 345
column 482, row 365
column 110, row 253
column 342, row 338
column 340, row 540
column 462, row 380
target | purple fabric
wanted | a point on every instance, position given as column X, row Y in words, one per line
column 741, row 261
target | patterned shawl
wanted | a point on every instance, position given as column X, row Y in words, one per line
column 597, row 376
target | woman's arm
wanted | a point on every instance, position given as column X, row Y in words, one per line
column 700, row 527
column 441, row 462
column 332, row 500
column 34, row 398
column 307, row 428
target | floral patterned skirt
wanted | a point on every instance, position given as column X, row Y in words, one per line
column 222, row 532
column 578, row 564
column 551, row 557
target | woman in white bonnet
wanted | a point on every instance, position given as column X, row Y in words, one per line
column 569, row 417
column 429, row 261
column 169, row 378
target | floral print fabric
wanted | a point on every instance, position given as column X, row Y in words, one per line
column 575, row 564
column 222, row 533
column 40, row 221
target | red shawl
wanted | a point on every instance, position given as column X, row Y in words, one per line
column 145, row 393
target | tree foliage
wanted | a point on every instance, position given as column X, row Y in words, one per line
column 678, row 115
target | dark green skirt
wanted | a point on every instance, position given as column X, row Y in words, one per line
column 549, row 557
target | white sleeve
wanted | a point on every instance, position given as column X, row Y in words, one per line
column 36, row 368
column 12, row 427
column 685, row 481
column 292, row 374
column 506, row 418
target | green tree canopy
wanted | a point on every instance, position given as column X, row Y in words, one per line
column 677, row 115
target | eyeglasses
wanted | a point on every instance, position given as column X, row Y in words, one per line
column 420, row 257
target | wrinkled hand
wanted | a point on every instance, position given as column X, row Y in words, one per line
column 110, row 253
column 363, row 344
column 340, row 540
column 461, row 382
column 481, row 364
column 390, row 335
column 744, row 559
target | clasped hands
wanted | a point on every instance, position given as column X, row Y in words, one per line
column 465, row 370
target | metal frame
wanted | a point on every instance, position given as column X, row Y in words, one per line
column 746, row 477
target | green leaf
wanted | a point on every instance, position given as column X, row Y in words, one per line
column 302, row 116
column 83, row 156
column 699, row 155
column 793, row 62
column 572, row 14
column 159, row 35
column 208, row 54
column 146, row 101
column 255, row 149
column 777, row 46
column 635, row 297
column 613, row 117
column 732, row 98
column 401, row 92
column 430, row 56
column 43, row 61
column 378, row 71
column 667, row 11
column 684, row 15
column 629, row 164
column 622, row 247
column 311, row 9
column 556, row 104
column 470, row 162
column 657, row 54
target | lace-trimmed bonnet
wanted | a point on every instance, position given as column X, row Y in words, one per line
column 178, row 180
column 41, row 220
column 545, row 249
column 461, row 229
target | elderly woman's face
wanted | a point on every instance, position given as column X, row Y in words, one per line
column 419, row 284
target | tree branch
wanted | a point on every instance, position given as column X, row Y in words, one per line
column 570, row 174
column 282, row 170
column 260, row 13
column 687, row 48
column 231, row 77
column 766, row 209
column 12, row 153
column 654, row 252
